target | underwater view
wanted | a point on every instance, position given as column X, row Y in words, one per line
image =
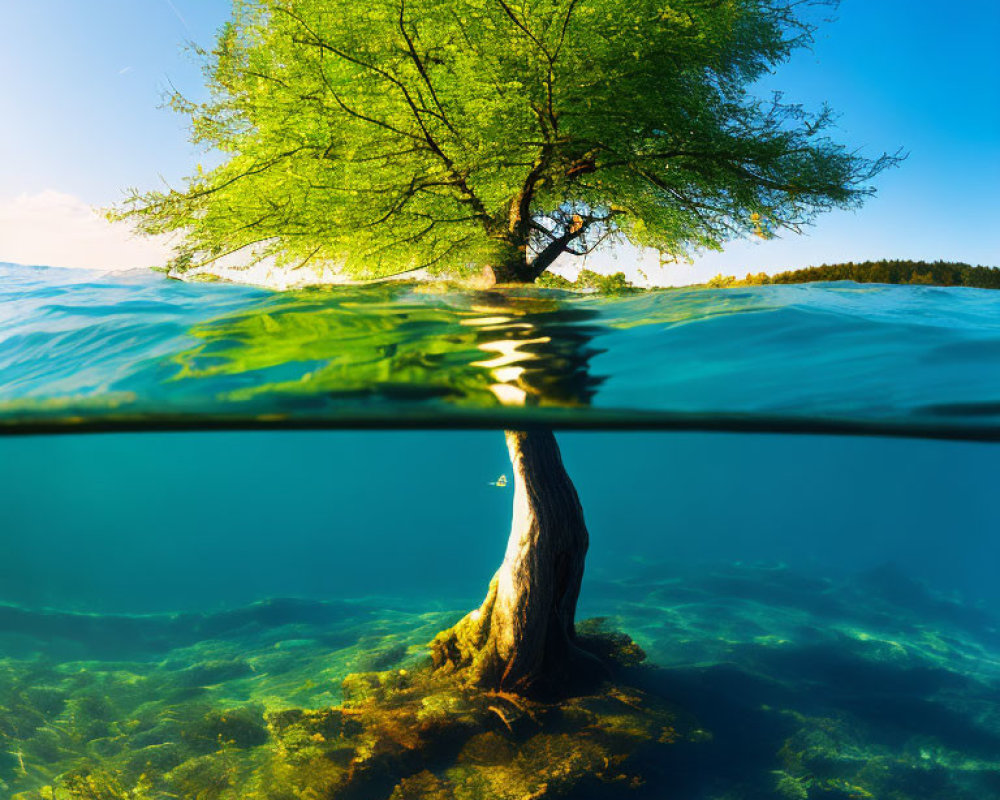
column 248, row 613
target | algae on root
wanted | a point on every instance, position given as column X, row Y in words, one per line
column 422, row 735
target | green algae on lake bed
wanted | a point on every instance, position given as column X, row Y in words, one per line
column 760, row 683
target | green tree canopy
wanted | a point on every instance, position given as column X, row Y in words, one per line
column 390, row 135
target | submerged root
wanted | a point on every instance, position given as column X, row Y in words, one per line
column 424, row 735
column 400, row 734
column 413, row 733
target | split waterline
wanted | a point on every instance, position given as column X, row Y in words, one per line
column 187, row 614
column 137, row 351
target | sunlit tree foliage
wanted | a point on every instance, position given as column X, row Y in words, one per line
column 388, row 135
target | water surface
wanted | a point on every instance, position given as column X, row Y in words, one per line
column 136, row 351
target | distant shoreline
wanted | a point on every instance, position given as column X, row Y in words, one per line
column 913, row 273
column 892, row 272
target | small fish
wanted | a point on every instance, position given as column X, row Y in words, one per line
column 500, row 482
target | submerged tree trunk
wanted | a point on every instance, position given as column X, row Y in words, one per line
column 522, row 638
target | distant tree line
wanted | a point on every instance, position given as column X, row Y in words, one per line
column 587, row 279
column 937, row 273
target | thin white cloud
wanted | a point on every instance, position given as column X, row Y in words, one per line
column 54, row 229
column 178, row 15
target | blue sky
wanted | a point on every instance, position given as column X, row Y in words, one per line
column 79, row 123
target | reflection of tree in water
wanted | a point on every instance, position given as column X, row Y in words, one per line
column 540, row 350
column 320, row 350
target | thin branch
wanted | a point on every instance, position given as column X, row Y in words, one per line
column 565, row 27
column 418, row 62
column 510, row 13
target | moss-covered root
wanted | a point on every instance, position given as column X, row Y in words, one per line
column 426, row 736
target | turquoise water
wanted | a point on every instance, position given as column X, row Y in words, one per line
column 138, row 351
column 821, row 611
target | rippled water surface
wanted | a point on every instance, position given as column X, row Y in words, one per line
column 135, row 349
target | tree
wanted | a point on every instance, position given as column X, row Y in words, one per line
column 458, row 135
column 455, row 134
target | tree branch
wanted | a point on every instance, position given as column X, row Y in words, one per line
column 421, row 68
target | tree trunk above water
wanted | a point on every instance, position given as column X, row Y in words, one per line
column 510, row 265
column 522, row 638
